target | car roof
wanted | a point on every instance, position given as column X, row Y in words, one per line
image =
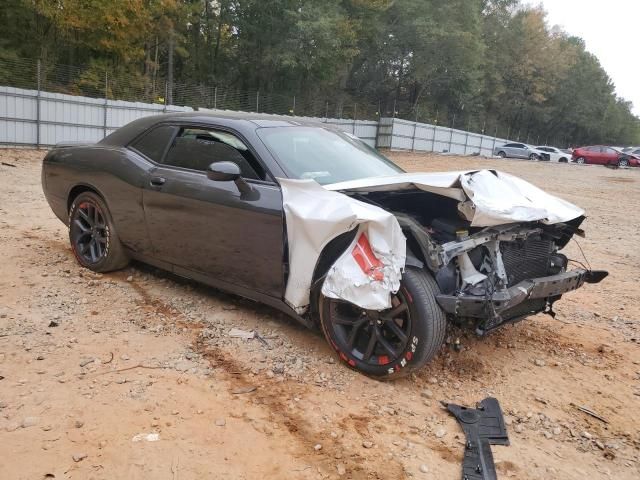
column 237, row 120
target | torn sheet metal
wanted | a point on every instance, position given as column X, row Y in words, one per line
column 314, row 217
column 487, row 197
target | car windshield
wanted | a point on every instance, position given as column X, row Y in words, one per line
column 324, row 155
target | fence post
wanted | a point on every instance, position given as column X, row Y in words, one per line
column 258, row 101
column 433, row 138
column 355, row 116
column 326, row 113
column 169, row 89
column 38, row 107
column 106, row 102
column 466, row 142
column 453, row 124
column 413, row 140
column 294, row 106
column 215, row 98
column 393, row 126
column 495, row 139
column 166, row 92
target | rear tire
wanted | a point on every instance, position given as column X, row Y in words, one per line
column 405, row 337
column 93, row 237
column 623, row 162
column 502, row 155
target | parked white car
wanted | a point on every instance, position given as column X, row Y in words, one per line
column 555, row 154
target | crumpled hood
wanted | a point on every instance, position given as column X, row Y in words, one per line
column 487, row 197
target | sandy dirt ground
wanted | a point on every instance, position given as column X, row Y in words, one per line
column 133, row 375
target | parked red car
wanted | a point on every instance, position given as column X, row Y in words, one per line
column 601, row 155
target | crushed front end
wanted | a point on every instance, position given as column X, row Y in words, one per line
column 495, row 275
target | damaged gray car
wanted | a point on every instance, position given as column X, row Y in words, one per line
column 314, row 222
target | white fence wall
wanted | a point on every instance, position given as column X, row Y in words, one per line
column 32, row 118
column 398, row 134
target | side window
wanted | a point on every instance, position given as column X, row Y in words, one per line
column 593, row 149
column 511, row 145
column 197, row 148
column 154, row 143
column 608, row 150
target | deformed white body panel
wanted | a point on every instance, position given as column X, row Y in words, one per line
column 499, row 198
column 487, row 197
column 315, row 215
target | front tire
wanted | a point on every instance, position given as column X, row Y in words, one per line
column 581, row 161
column 93, row 237
column 533, row 157
column 391, row 343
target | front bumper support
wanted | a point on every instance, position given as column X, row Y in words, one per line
column 491, row 307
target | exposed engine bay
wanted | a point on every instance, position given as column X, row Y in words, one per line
column 487, row 276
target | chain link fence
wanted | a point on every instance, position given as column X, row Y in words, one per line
column 99, row 83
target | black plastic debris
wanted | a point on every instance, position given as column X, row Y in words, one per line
column 483, row 426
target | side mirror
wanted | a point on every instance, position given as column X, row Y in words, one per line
column 223, row 172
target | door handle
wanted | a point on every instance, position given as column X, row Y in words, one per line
column 157, row 181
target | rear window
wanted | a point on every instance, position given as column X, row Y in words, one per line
column 154, row 143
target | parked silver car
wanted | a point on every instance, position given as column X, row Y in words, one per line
column 520, row 150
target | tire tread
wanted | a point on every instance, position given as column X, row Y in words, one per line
column 438, row 323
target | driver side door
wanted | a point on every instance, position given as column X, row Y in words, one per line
column 210, row 227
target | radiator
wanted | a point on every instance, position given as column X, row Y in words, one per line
column 526, row 259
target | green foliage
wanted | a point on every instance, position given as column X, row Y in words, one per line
column 474, row 63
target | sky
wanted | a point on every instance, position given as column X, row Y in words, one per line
column 611, row 31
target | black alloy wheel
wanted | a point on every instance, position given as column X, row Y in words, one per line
column 374, row 338
column 389, row 343
column 92, row 234
column 89, row 233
